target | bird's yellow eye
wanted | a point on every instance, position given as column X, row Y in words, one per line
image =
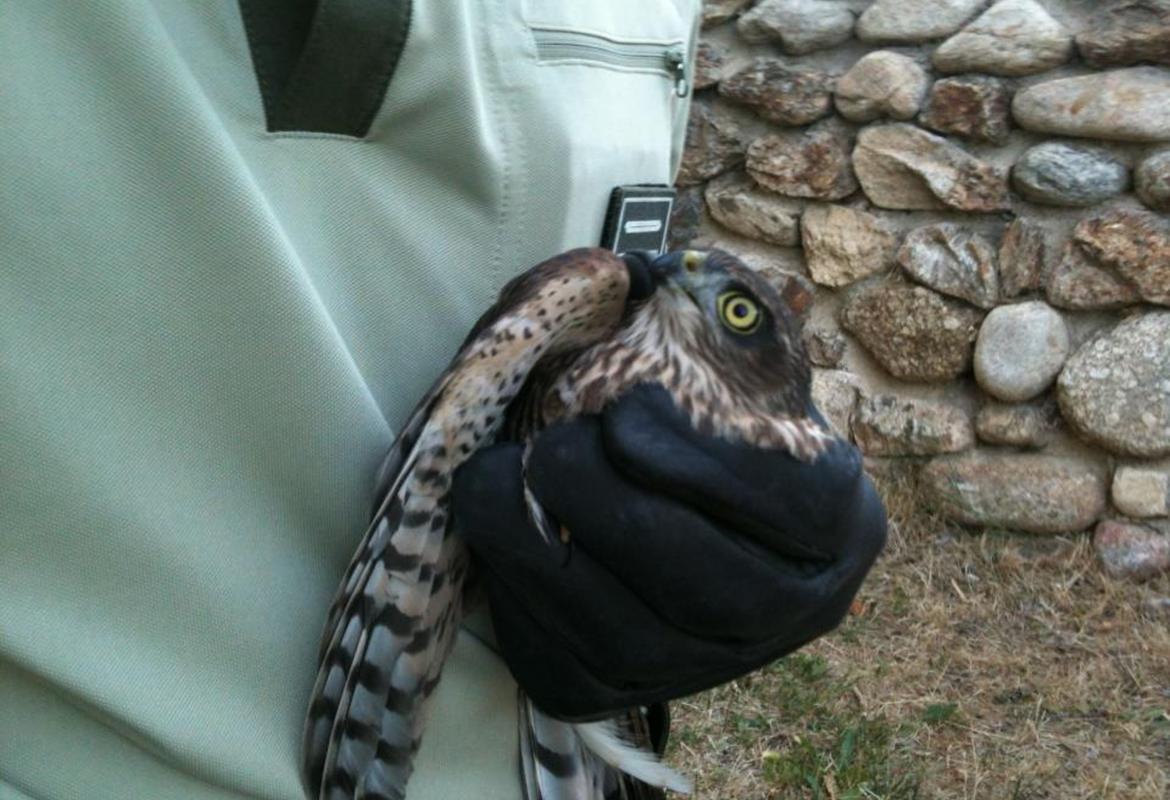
column 738, row 312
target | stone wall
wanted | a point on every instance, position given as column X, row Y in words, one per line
column 967, row 201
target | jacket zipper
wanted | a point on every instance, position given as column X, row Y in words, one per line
column 669, row 59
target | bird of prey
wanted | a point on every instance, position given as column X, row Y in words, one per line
column 564, row 339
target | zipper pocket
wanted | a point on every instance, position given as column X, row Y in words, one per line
column 558, row 45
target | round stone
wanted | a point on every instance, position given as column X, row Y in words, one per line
column 738, row 205
column 1142, row 491
column 881, row 84
column 812, row 162
column 973, row 106
column 1115, row 390
column 1018, row 491
column 1125, row 104
column 1027, row 425
column 908, row 21
column 889, row 425
column 901, row 166
column 1123, row 33
column 843, row 245
column 1013, row 37
column 952, row 260
column 778, row 94
column 1059, row 174
column 800, row 26
column 915, row 334
column 1078, row 282
column 1152, row 177
column 1130, row 550
column 1020, row 350
column 1132, row 243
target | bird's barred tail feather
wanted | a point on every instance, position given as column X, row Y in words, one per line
column 605, row 740
column 588, row 761
column 555, row 765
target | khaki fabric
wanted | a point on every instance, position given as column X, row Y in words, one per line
column 207, row 336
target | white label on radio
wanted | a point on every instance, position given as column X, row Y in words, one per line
column 643, row 226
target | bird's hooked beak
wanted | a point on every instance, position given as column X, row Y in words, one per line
column 648, row 271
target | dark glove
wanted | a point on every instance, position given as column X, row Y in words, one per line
column 692, row 560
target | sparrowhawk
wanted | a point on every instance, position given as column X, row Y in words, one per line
column 564, row 339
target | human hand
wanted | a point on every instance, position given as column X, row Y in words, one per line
column 692, row 560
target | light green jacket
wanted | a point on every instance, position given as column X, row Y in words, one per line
column 208, row 333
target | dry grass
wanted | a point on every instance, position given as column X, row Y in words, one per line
column 981, row 665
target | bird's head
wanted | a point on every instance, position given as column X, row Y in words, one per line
column 733, row 325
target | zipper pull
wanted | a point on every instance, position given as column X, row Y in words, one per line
column 676, row 62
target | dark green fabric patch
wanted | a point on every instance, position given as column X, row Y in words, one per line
column 324, row 65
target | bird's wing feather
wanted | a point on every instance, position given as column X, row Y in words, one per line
column 394, row 619
column 395, row 462
column 395, row 467
column 336, row 652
